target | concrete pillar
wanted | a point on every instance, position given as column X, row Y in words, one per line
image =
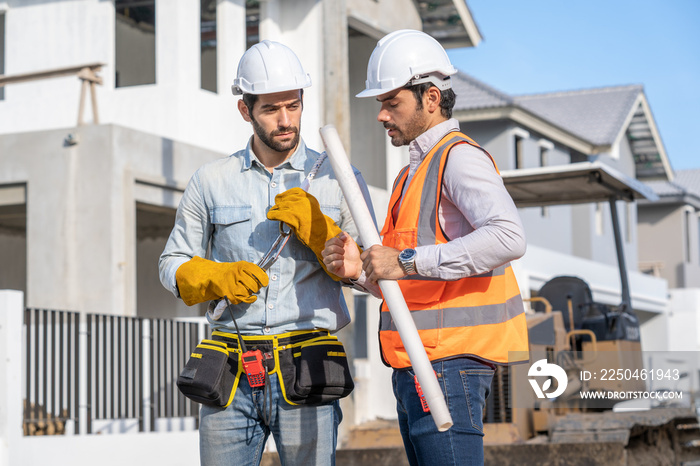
column 11, row 320
column 178, row 43
column 230, row 42
column 51, row 224
column 336, row 80
column 78, row 250
column 270, row 20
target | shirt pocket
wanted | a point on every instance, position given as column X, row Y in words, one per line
column 233, row 228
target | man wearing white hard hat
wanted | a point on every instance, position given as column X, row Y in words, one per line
column 450, row 233
column 272, row 315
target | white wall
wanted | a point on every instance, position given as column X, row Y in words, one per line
column 648, row 293
column 75, row 32
column 684, row 320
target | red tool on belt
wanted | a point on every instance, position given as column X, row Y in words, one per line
column 252, row 360
column 253, row 366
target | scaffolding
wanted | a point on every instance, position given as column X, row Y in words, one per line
column 86, row 73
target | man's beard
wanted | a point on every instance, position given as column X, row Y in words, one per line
column 413, row 128
column 269, row 141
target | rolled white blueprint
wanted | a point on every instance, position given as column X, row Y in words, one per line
column 390, row 288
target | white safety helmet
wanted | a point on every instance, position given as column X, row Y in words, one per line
column 269, row 67
column 407, row 57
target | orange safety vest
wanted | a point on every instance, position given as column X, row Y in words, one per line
column 480, row 316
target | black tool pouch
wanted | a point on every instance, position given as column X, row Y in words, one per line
column 210, row 376
column 315, row 372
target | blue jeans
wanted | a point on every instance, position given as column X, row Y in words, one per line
column 466, row 383
column 236, row 435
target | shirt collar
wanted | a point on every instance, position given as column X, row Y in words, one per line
column 427, row 140
column 295, row 162
column 420, row 146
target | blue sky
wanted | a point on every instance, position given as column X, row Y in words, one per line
column 553, row 45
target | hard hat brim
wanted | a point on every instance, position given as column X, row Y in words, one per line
column 237, row 89
column 375, row 92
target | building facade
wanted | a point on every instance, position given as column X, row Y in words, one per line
column 613, row 126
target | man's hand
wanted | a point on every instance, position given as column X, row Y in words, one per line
column 341, row 256
column 382, row 262
column 200, row 280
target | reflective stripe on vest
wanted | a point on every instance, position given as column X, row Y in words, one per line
column 480, row 316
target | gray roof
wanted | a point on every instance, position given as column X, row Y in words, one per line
column 596, row 115
column 473, row 94
column 689, row 179
column 666, row 188
column 684, row 188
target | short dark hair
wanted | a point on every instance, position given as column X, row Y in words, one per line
column 447, row 98
column 250, row 99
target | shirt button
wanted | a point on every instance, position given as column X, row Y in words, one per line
column 270, row 306
column 274, row 277
column 429, row 273
column 266, row 330
column 273, row 184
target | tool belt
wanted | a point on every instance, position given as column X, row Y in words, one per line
column 210, row 376
column 311, row 366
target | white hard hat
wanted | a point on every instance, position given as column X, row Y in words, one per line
column 269, row 67
column 407, row 57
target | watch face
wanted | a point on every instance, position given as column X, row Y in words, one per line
column 407, row 254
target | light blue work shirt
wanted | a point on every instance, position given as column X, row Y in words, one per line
column 223, row 209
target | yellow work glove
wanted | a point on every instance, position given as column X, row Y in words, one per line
column 302, row 213
column 200, row 280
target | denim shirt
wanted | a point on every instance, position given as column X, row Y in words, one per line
column 222, row 217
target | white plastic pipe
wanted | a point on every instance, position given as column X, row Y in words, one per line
column 390, row 288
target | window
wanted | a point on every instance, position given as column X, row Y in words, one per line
column 135, row 42
column 543, row 156
column 545, row 147
column 207, row 31
column 252, row 22
column 518, row 152
column 687, row 235
column 2, row 51
column 519, row 137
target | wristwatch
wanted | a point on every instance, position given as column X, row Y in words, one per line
column 407, row 260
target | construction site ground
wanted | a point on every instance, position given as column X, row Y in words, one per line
column 671, row 439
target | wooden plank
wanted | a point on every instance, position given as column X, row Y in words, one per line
column 54, row 73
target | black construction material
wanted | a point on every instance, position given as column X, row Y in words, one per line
column 606, row 322
column 558, row 291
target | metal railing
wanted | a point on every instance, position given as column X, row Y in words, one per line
column 171, row 345
column 52, row 370
column 90, row 370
